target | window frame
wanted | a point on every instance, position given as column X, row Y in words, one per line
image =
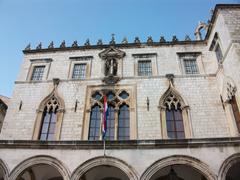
column 87, row 60
column 84, row 74
column 147, row 71
column 146, row 57
column 38, row 75
column 46, row 62
column 185, row 56
column 185, row 67
column 216, row 43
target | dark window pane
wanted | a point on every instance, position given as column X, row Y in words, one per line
column 43, row 136
column 52, row 128
column 124, row 95
column 94, row 126
column 51, row 137
column 110, row 123
column 79, row 71
column 190, row 66
column 144, row 68
column 171, row 135
column 180, row 135
column 219, row 53
column 170, row 126
column 179, row 126
column 175, row 127
column 48, row 125
column 169, row 115
column 97, row 96
column 37, row 73
column 123, row 123
column 110, row 96
column 45, row 128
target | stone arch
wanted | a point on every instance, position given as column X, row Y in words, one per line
column 104, row 160
column 5, row 169
column 170, row 96
column 227, row 164
column 199, row 166
column 37, row 160
column 57, row 103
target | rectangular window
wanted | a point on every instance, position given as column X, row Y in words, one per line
column 190, row 66
column 37, row 74
column 144, row 68
column 218, row 52
column 79, row 71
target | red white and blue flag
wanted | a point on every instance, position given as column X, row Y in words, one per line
column 105, row 114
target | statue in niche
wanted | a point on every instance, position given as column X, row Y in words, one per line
column 111, row 67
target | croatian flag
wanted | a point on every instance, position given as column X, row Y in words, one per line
column 105, row 114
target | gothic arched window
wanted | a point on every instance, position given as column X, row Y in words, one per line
column 123, row 123
column 120, row 120
column 49, row 118
column 174, row 115
column 110, row 134
column 94, row 127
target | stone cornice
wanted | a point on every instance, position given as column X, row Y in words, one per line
column 105, row 46
column 130, row 144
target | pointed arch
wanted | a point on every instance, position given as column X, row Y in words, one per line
column 172, row 91
column 52, row 106
column 174, row 115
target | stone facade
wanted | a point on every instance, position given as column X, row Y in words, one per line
column 211, row 144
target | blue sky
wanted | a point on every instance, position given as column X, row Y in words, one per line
column 34, row 21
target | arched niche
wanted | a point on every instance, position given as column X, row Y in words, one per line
column 113, row 168
column 181, row 165
column 229, row 169
column 40, row 167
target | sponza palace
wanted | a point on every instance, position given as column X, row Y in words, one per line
column 173, row 109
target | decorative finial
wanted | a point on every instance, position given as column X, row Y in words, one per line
column 39, row 46
column 28, row 47
column 162, row 39
column 137, row 40
column 74, row 44
column 124, row 41
column 87, row 43
column 170, row 78
column 99, row 42
column 149, row 40
column 63, row 44
column 174, row 39
column 56, row 82
column 187, row 38
column 112, row 40
column 51, row 45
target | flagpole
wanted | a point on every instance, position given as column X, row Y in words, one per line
column 104, row 147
